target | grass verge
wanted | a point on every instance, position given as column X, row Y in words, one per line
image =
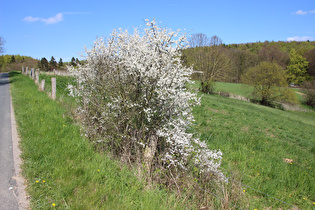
column 61, row 167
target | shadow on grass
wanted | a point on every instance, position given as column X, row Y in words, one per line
column 13, row 76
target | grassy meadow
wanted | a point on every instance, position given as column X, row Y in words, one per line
column 270, row 151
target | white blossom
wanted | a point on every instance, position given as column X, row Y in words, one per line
column 134, row 84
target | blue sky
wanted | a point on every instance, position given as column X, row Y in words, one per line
column 62, row 28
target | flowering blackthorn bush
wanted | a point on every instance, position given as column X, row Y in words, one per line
column 134, row 100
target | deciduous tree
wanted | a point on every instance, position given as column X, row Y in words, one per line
column 297, row 68
column 269, row 82
column 198, row 40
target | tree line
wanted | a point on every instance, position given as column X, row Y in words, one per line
column 264, row 65
column 14, row 62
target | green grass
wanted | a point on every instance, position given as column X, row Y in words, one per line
column 62, row 167
column 244, row 90
column 255, row 141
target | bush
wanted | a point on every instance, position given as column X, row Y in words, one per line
column 270, row 83
column 207, row 86
column 309, row 88
column 134, row 102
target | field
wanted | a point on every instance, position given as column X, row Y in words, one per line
column 269, row 151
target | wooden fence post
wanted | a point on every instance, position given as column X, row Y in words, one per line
column 26, row 72
column 42, row 85
column 22, row 72
column 53, row 88
column 31, row 73
column 37, row 76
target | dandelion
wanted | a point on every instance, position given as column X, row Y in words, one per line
column 303, row 198
column 53, row 204
column 64, row 125
column 43, row 181
column 313, row 203
column 98, row 170
column 291, row 163
column 243, row 190
column 37, row 181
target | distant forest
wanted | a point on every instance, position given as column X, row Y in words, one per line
column 227, row 63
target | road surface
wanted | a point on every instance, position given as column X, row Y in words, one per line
column 8, row 184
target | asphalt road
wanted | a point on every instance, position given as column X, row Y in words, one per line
column 8, row 198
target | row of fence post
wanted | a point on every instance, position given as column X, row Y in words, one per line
column 34, row 74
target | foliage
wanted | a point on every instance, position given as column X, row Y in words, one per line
column 268, row 80
column 15, row 62
column 297, row 68
column 72, row 62
column 52, row 63
column 309, row 88
column 210, row 63
column 44, row 64
column 60, row 63
column 310, row 55
column 134, row 101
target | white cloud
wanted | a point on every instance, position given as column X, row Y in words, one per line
column 300, row 12
column 30, row 19
column 299, row 38
column 53, row 20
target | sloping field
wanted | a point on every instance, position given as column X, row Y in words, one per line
column 270, row 150
column 268, row 153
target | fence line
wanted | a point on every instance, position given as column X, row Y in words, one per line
column 34, row 75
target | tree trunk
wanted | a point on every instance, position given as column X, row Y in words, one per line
column 148, row 156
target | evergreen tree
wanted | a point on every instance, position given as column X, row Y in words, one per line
column 77, row 61
column 72, row 62
column 60, row 64
column 12, row 59
column 44, row 64
column 52, row 63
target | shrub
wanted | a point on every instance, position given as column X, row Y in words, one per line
column 269, row 82
column 309, row 88
column 134, row 102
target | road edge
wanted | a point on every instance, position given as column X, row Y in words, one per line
column 22, row 197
